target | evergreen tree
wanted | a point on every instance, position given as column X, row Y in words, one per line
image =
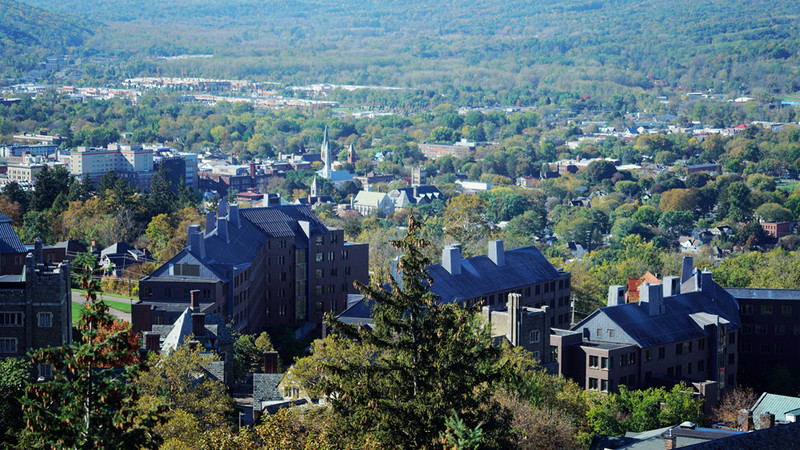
column 426, row 361
column 91, row 401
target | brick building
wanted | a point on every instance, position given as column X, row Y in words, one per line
column 770, row 334
column 686, row 329
column 258, row 268
column 521, row 326
column 35, row 308
column 460, row 149
column 777, row 229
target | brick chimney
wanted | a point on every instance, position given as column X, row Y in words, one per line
column 745, row 420
column 767, row 420
column 194, row 295
column 152, row 341
column 670, row 442
column 199, row 324
column 270, row 362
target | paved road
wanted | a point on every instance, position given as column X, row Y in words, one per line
column 77, row 297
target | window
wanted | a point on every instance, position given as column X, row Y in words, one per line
column 282, row 310
column 536, row 356
column 283, row 276
column 283, row 243
column 168, row 292
column 344, row 287
column 610, row 332
column 731, row 358
column 661, row 352
column 599, row 332
column 786, row 310
column 11, row 319
column 188, row 270
column 267, row 309
column 648, row 355
column 606, row 363
column 679, row 349
column 534, row 336
column 8, row 345
column 766, row 310
column 593, row 384
column 334, row 271
column 318, row 306
column 347, row 270
column 553, row 353
column 527, row 291
column 147, row 291
column 761, row 328
column 344, row 254
column 701, row 344
column 747, row 310
column 731, row 338
column 623, row 360
column 320, row 273
column 331, row 289
column 319, row 289
column 334, row 239
column 747, row 328
column 604, row 385
column 594, row 361
column 334, row 305
column 632, row 359
column 281, row 260
column 45, row 370
column 538, row 289
column 701, row 365
column 319, row 257
column 45, row 319
column 320, row 240
column 780, row 330
column 331, row 256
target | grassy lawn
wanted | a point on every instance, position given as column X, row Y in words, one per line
column 76, row 312
column 789, row 187
column 124, row 307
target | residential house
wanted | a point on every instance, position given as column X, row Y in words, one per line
column 777, row 229
column 419, row 195
column 116, row 258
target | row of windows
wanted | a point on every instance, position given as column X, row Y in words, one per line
column 15, row 319
column 599, row 385
column 764, row 348
column 281, row 311
column 320, row 240
column 766, row 310
column 762, row 329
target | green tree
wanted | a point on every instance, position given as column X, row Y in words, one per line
column 773, row 212
column 15, row 376
column 91, row 401
column 248, row 353
column 678, row 223
column 467, row 219
column 431, row 360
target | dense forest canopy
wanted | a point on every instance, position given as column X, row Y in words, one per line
column 597, row 46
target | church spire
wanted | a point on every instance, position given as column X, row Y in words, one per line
column 326, row 154
column 314, row 188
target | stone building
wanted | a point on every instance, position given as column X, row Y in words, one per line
column 35, row 308
column 521, row 326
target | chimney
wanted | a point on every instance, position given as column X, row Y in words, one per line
column 270, row 362
column 706, row 281
column 222, row 229
column 745, row 420
column 415, row 192
column 198, row 324
column 222, row 207
column 651, row 294
column 451, row 259
column 616, row 295
column 193, row 344
column 233, row 216
column 37, row 252
column 252, row 169
column 496, row 253
column 197, row 243
column 686, row 268
column 670, row 441
column 211, row 222
column 194, row 295
column 513, row 319
column 152, row 341
column 767, row 420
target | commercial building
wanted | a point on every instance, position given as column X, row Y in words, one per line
column 257, row 268
column 460, row 149
column 131, row 163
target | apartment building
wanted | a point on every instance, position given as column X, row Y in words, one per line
column 132, row 163
column 258, row 268
column 685, row 329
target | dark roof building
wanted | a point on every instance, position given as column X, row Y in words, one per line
column 12, row 250
column 685, row 329
column 258, row 267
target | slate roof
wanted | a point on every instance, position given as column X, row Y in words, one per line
column 778, row 437
column 9, row 241
column 480, row 275
column 685, row 315
column 265, row 389
column 359, row 313
column 775, row 404
column 182, row 329
column 764, row 294
column 281, row 221
column 370, row 198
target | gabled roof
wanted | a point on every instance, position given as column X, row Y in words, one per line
column 9, row 241
column 281, row 221
column 180, row 331
column 265, row 389
column 684, row 317
column 480, row 275
column 370, row 198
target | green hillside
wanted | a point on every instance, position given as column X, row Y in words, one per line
column 598, row 47
column 28, row 35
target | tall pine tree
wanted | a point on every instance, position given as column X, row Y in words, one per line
column 427, row 361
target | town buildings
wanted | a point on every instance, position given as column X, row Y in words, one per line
column 367, row 203
column 258, row 268
column 685, row 329
column 132, row 163
column 337, row 177
column 522, row 326
column 460, row 149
